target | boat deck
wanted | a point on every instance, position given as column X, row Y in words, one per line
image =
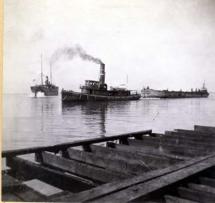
column 178, row 166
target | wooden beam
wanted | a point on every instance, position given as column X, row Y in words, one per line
column 202, row 188
column 9, row 197
column 151, row 161
column 64, row 146
column 194, row 132
column 207, row 181
column 195, row 195
column 29, row 170
column 206, row 129
column 118, row 165
column 81, row 169
column 181, row 140
column 192, row 167
column 187, row 137
column 170, row 148
column 9, row 183
column 191, row 135
column 141, row 190
column 172, row 199
column 149, row 150
column 28, row 194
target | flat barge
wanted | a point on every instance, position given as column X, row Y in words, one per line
column 164, row 94
column 98, row 91
column 178, row 166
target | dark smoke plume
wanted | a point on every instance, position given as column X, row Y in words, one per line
column 71, row 52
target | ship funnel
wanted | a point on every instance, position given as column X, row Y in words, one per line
column 102, row 73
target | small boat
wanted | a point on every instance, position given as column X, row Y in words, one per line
column 98, row 91
column 48, row 88
column 151, row 93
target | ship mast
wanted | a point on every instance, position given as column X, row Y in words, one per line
column 41, row 58
column 50, row 73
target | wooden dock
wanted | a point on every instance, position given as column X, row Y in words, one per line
column 177, row 166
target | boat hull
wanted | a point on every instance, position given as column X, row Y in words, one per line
column 71, row 96
column 47, row 90
column 150, row 93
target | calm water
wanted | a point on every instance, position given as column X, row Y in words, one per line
column 41, row 121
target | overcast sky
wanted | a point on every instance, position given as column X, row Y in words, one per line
column 157, row 43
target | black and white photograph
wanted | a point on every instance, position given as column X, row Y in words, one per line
column 108, row 101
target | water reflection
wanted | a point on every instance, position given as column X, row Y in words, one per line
column 45, row 121
column 95, row 113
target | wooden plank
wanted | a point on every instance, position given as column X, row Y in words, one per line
column 196, row 133
column 81, row 169
column 169, row 148
column 109, row 163
column 9, row 197
column 151, row 161
column 195, row 142
column 29, row 170
column 112, row 188
column 172, row 199
column 195, row 195
column 203, row 188
column 9, row 183
column 28, row 194
column 207, row 181
column 192, row 136
column 141, row 190
column 173, row 142
column 208, row 129
column 182, row 140
column 148, row 150
column 64, row 146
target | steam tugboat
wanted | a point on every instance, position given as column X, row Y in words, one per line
column 151, row 93
column 48, row 88
column 98, row 91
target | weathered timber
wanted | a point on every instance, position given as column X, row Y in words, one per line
column 26, row 193
column 192, row 136
column 196, row 133
column 64, row 146
column 81, row 169
column 124, row 167
column 147, row 150
column 204, row 129
column 150, row 161
column 115, row 187
column 202, row 188
column 169, row 148
column 199, row 143
column 195, row 195
column 182, row 141
column 10, row 197
column 29, row 170
column 207, row 181
column 172, row 199
column 104, row 162
column 141, row 190
column 173, row 141
column 9, row 183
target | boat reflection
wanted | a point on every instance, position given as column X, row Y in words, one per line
column 95, row 114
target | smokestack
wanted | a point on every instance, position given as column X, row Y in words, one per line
column 102, row 73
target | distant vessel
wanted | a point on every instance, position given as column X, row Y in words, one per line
column 48, row 88
column 97, row 91
column 151, row 93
